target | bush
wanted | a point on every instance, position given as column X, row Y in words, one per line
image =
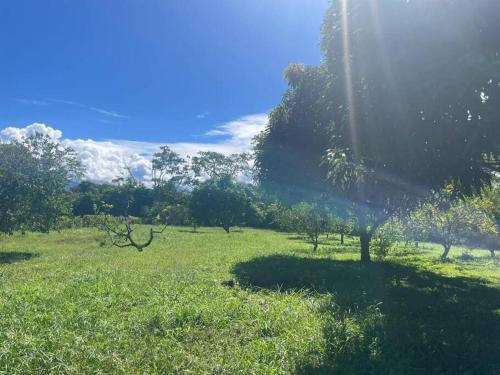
column 385, row 239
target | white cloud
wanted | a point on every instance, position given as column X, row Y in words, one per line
column 106, row 160
column 10, row 133
column 241, row 131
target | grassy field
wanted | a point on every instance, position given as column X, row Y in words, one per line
column 68, row 305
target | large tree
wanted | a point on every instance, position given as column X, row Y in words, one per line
column 34, row 176
column 406, row 101
column 220, row 202
column 167, row 167
column 211, row 164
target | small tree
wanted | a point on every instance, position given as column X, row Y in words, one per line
column 386, row 238
column 34, row 175
column 311, row 220
column 219, row 202
column 450, row 221
column 488, row 236
column 342, row 226
column 120, row 232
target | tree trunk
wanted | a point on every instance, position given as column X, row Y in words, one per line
column 492, row 253
column 365, row 239
column 447, row 248
column 315, row 243
column 341, row 238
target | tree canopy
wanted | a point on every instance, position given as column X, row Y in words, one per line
column 34, row 176
column 220, row 202
column 406, row 101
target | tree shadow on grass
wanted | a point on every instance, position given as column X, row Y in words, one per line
column 192, row 231
column 387, row 318
column 14, row 257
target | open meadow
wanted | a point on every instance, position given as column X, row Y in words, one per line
column 252, row 301
column 250, row 187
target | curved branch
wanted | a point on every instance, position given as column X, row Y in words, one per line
column 124, row 237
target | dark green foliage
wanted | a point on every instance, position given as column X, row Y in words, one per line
column 416, row 90
column 220, row 202
column 176, row 214
column 34, row 176
column 407, row 100
column 85, row 204
column 124, row 195
column 290, row 151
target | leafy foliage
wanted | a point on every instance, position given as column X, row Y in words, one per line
column 34, row 175
column 167, row 167
column 210, row 164
column 382, row 122
column 220, row 202
column 451, row 221
column 312, row 220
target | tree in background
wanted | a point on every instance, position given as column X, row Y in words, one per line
column 383, row 122
column 342, row 226
column 212, row 165
column 311, row 220
column 489, row 239
column 220, row 202
column 167, row 168
column 451, row 221
column 87, row 196
column 35, row 173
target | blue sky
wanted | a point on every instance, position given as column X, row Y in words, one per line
column 153, row 71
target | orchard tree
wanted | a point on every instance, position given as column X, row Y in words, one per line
column 35, row 173
column 489, row 239
column 121, row 231
column 451, row 221
column 119, row 223
column 341, row 226
column 212, row 165
column 406, row 101
column 309, row 219
column 220, row 202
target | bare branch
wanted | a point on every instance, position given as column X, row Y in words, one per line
column 121, row 234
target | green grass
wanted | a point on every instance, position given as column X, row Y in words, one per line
column 68, row 305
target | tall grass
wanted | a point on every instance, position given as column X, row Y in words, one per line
column 68, row 305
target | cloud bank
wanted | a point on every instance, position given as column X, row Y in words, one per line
column 106, row 160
